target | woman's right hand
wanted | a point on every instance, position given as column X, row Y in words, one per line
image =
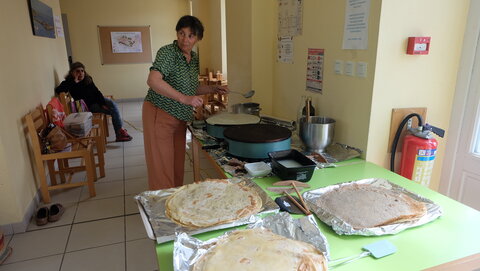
column 192, row 100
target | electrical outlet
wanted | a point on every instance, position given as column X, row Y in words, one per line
column 398, row 114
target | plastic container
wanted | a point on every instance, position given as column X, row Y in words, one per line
column 258, row 169
column 292, row 165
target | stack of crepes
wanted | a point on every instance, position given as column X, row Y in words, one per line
column 260, row 249
column 367, row 206
column 212, row 202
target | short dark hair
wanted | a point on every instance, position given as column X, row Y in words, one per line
column 193, row 23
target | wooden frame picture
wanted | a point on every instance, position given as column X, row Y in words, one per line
column 125, row 44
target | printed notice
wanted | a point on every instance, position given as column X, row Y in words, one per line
column 285, row 49
column 315, row 70
column 355, row 33
column 58, row 26
column 126, row 42
column 290, row 14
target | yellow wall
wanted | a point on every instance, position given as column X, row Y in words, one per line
column 210, row 50
column 120, row 80
column 416, row 81
column 31, row 67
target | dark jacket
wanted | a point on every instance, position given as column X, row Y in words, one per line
column 89, row 93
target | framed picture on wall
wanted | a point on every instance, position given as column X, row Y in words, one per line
column 41, row 16
column 125, row 44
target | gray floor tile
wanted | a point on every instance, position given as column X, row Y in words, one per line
column 41, row 243
column 141, row 255
column 50, row 263
column 103, row 190
column 135, row 228
column 96, row 233
column 131, row 206
column 136, row 186
column 99, row 209
column 106, row 258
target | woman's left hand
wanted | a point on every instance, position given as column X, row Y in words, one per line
column 219, row 89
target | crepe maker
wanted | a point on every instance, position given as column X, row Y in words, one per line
column 255, row 141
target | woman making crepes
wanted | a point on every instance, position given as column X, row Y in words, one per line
column 168, row 106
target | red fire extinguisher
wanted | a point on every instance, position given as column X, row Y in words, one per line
column 419, row 151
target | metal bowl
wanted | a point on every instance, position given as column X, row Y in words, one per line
column 318, row 133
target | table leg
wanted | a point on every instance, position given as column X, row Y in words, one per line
column 196, row 160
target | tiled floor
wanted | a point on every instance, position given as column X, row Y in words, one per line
column 101, row 233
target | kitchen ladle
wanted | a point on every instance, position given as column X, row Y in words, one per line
column 245, row 95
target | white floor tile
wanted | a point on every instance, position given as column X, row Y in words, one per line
column 136, row 186
column 135, row 160
column 112, row 175
column 96, row 233
column 134, row 150
column 131, row 206
column 99, row 209
column 135, row 172
column 141, row 255
column 41, row 243
column 116, row 162
column 135, row 228
column 107, row 258
column 49, row 263
column 103, row 190
column 66, row 219
column 66, row 195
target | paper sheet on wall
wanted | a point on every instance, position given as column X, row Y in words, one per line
column 355, row 33
column 285, row 49
column 315, row 70
column 290, row 13
column 58, row 26
column 126, row 42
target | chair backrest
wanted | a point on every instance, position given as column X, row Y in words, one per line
column 36, row 122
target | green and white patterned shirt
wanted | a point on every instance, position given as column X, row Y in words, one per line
column 179, row 74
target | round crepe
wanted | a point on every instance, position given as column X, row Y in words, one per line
column 232, row 119
column 367, row 206
column 210, row 203
column 260, row 249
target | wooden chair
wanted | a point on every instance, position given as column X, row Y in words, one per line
column 99, row 119
column 97, row 135
column 36, row 122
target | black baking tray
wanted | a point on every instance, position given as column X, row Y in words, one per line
column 301, row 173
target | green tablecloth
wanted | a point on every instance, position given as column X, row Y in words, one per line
column 454, row 235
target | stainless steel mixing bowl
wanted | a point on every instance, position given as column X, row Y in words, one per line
column 318, row 133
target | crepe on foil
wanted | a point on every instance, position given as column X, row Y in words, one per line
column 261, row 249
column 211, row 203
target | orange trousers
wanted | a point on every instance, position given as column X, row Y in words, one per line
column 164, row 140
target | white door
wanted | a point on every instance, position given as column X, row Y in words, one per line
column 461, row 174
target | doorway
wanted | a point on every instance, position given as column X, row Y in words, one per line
column 461, row 174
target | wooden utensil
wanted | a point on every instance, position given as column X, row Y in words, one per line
column 289, row 183
column 301, row 198
column 296, row 203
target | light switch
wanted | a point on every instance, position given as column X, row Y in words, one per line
column 349, row 68
column 362, row 69
column 338, row 66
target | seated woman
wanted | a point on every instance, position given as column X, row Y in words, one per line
column 80, row 86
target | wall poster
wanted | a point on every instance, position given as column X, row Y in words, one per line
column 41, row 16
column 125, row 44
column 315, row 70
column 290, row 13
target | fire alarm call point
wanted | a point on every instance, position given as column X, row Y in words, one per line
column 418, row 45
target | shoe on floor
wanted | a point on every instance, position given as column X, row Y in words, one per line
column 41, row 216
column 122, row 135
column 56, row 211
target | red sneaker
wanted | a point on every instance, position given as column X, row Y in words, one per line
column 123, row 136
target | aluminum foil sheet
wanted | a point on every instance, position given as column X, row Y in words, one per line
column 341, row 227
column 153, row 203
column 187, row 250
